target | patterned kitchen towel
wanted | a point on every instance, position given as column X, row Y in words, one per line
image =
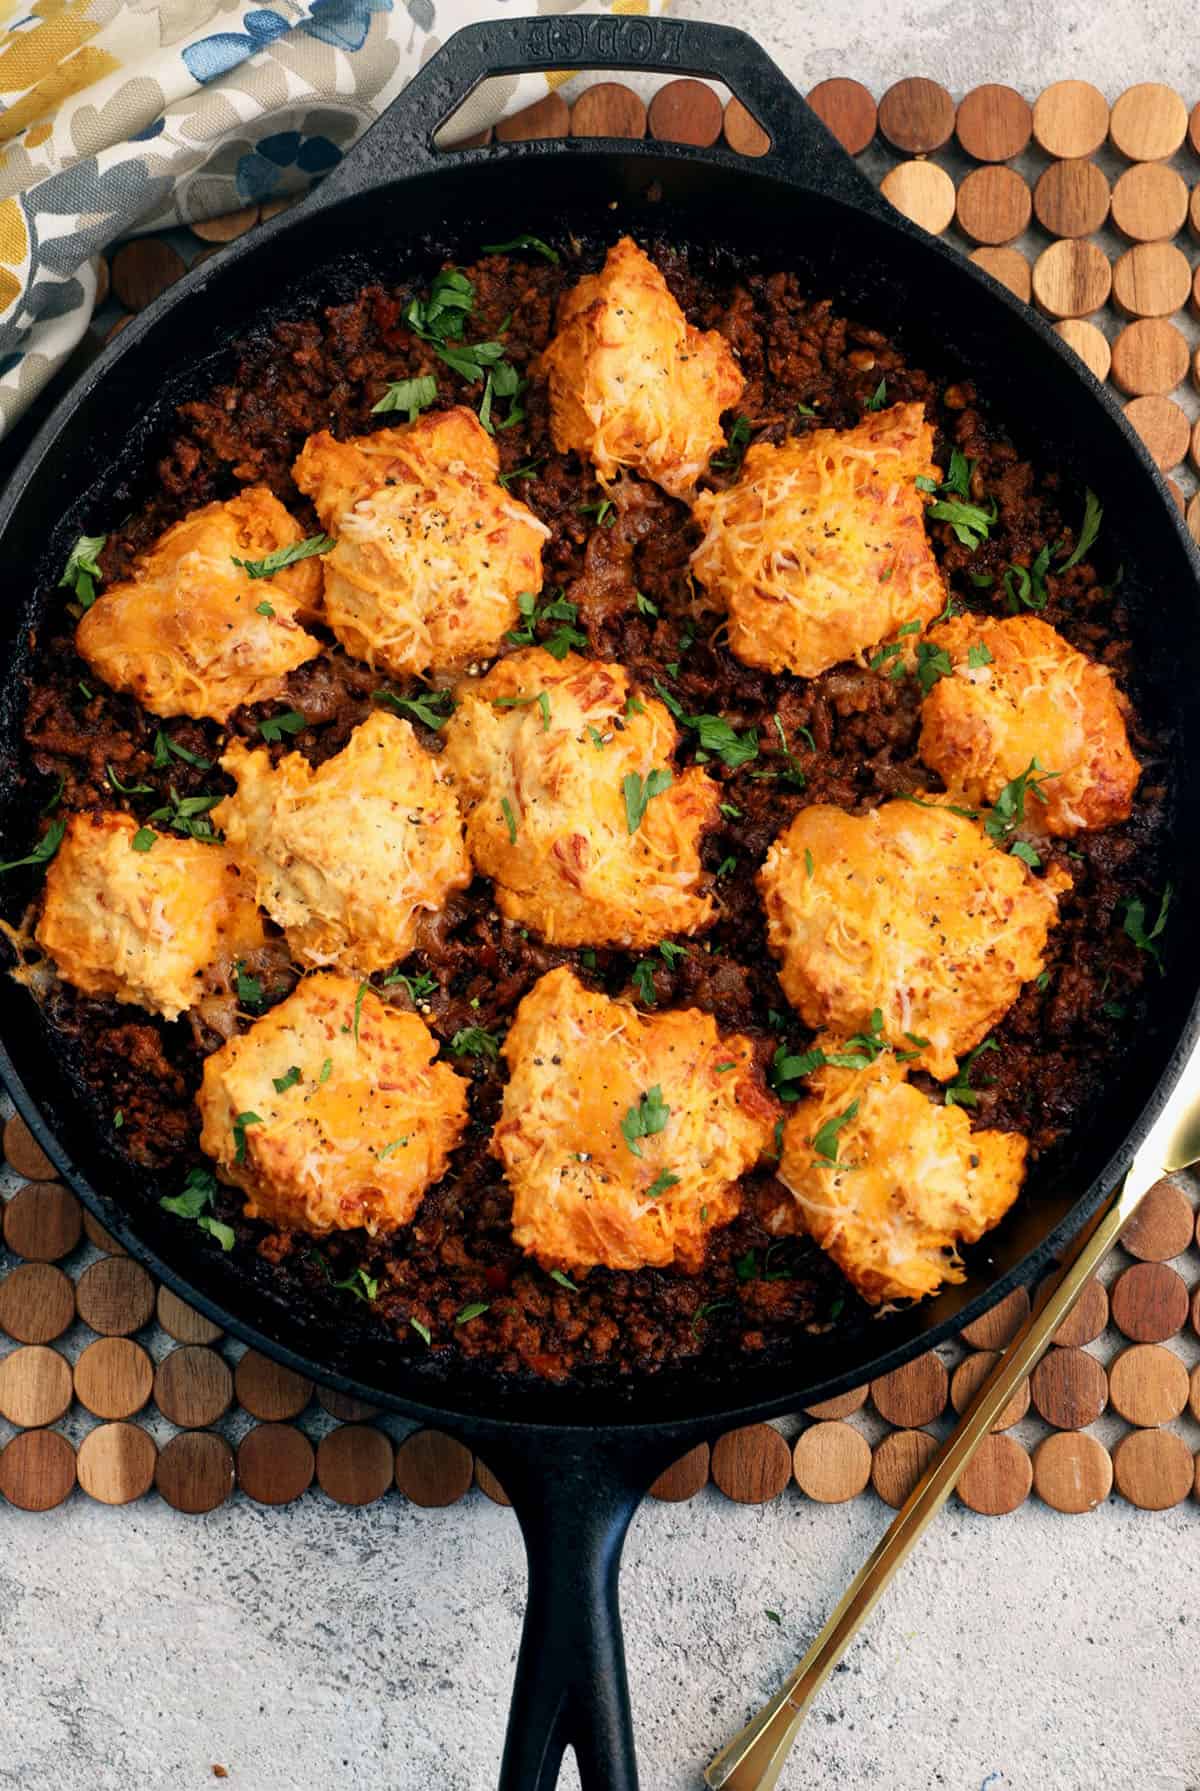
column 119, row 116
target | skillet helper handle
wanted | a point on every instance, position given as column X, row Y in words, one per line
column 754, row 1758
column 402, row 141
column 571, row 1691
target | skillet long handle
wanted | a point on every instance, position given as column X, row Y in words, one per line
column 571, row 1688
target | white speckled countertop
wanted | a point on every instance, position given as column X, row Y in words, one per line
column 318, row 1646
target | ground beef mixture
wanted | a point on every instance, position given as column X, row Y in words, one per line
column 847, row 737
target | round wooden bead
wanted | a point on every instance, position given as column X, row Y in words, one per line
column 1148, row 122
column 1148, row 1384
column 970, row 1375
column 1071, row 198
column 1089, row 343
column 682, row 1480
column 922, row 192
column 193, row 1386
column 1149, row 203
column 898, row 1463
column 114, row 1377
column 1194, row 127
column 433, row 1469
column 1070, row 119
column 993, row 205
column 227, row 228
column 839, row 1407
column 847, row 109
column 144, row 268
column 1164, row 428
column 1151, row 280
column 24, row 1155
column 916, row 116
column 1192, row 518
column 345, row 1409
column 275, row 1463
column 1072, row 1472
column 1149, row 357
column 1071, row 278
column 1000, row 1324
column 355, row 1464
column 1008, row 266
column 1149, row 1302
column 1069, row 1388
column 35, row 1387
column 115, row 1296
column 37, row 1303
column 1194, row 1392
column 994, row 123
column 1086, row 1319
column 37, row 1470
column 269, row 1390
column 751, row 1465
column 831, row 1462
column 116, row 1463
column 488, row 1484
column 195, row 1471
column 608, row 109
column 914, row 1394
column 743, row 133
column 1162, row 1226
column 685, row 112
column 96, row 1234
column 549, row 117
column 43, row 1222
column 1153, row 1469
column 997, row 1478
column 183, row 1322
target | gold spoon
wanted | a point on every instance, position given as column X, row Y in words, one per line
column 754, row 1758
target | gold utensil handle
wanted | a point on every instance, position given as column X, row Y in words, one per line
column 753, row 1759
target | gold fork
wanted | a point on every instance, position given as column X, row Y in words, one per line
column 754, row 1758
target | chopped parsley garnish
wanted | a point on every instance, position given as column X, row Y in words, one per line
column 524, row 241
column 81, row 570
column 1027, row 589
column 1092, row 514
column 662, row 1181
column 326, row 1070
column 730, row 810
column 473, row 1041
column 805, row 410
column 360, row 1284
column 788, row 1068
column 425, row 708
column 164, row 746
column 825, row 1141
column 1023, row 850
column 794, row 773
column 643, row 981
column 283, row 1083
column 360, row 996
column 640, row 792
column 1042, row 981
column 727, row 866
column 264, row 608
column 558, row 609
column 285, row 556
column 525, row 471
column 199, row 1194
column 249, row 991
column 390, row 1149
column 730, row 457
column 969, row 521
column 978, row 656
column 773, row 1616
column 672, row 954
column 1134, row 924
column 475, row 1309
column 932, row 663
column 288, row 721
column 810, row 863
column 510, row 820
column 878, row 397
column 55, row 797
column 127, row 789
column 644, row 605
column 706, row 1311
column 421, row 1330
column 713, row 733
column 240, row 1124
column 143, row 839
column 563, row 1280
column 603, row 510
column 863, row 1047
column 440, row 320
column 420, row 987
column 542, row 699
column 645, row 1119
column 1008, row 811
column 958, row 479
column 118, row 1119
column 45, row 849
column 184, row 814
column 409, row 395
column 959, row 1093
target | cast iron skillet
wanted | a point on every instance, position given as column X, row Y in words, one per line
column 575, row 1461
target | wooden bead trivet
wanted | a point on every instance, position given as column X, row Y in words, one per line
column 1163, row 1225
column 916, row 116
column 275, row 1463
column 994, row 123
column 1008, row 266
column 268, row 1390
column 549, row 117
column 831, row 1462
column 846, row 107
column 433, row 1469
column 999, row 1326
column 114, row 1377
column 923, row 192
column 184, row 1323
column 970, row 1375
column 1091, row 345
column 1149, row 203
column 1153, row 1469
column 842, row 1406
column 35, row 1387
column 1164, row 428
column 1148, row 122
column 682, row 1480
column 1071, row 198
column 742, row 131
column 488, row 1484
column 685, row 112
column 751, row 1465
column 1072, row 1471
column 193, row 1387
column 1149, row 1302
column 1071, row 278
column 143, row 269
column 37, row 1303
column 37, row 1470
column 116, row 1463
column 195, row 1471
column 1148, row 1384
column 43, row 1222
column 1070, row 119
column 354, row 1464
column 96, row 1234
column 997, row 1478
column 1151, row 280
column 23, row 1155
column 608, row 110
column 993, row 206
column 1069, row 1388
column 1084, row 1323
column 898, row 1463
column 115, row 1296
column 914, row 1395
